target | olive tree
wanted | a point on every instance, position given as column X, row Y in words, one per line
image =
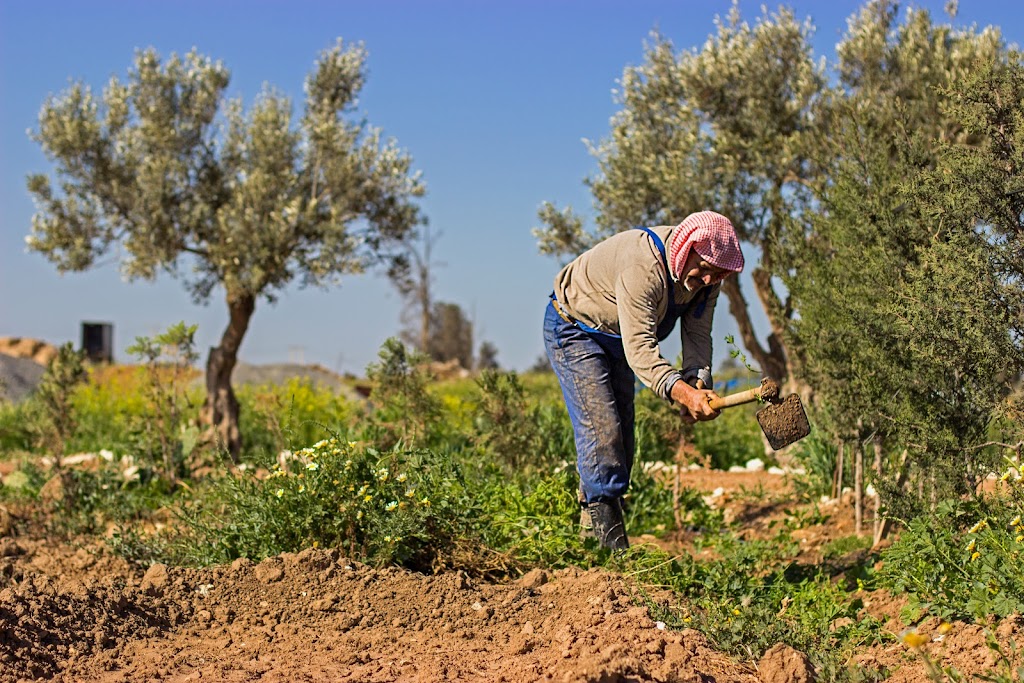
column 723, row 128
column 181, row 180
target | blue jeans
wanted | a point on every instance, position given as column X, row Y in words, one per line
column 597, row 384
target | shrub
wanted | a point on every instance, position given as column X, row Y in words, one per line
column 965, row 559
column 403, row 409
column 404, row 507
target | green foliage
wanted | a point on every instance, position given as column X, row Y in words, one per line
column 403, row 507
column 733, row 438
column 278, row 417
column 750, row 597
column 818, row 456
column 537, row 523
column 504, row 425
column 93, row 500
column 166, row 433
column 965, row 559
column 50, row 419
column 403, row 408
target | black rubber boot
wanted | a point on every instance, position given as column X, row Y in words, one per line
column 606, row 519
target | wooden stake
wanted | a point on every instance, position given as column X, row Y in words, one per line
column 878, row 477
column 858, row 488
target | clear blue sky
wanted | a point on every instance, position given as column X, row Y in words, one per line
column 492, row 100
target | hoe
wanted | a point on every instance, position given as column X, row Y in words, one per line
column 782, row 420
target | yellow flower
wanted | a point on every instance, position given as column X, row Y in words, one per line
column 312, row 465
column 387, row 539
column 351, row 444
column 409, row 493
column 316, row 544
column 359, row 515
column 945, row 627
column 975, row 556
column 382, row 474
column 402, row 505
column 1015, row 521
column 401, row 477
column 363, row 490
column 302, row 488
column 978, row 527
column 971, row 545
column 279, row 493
column 914, row 639
column 367, row 498
column 736, row 611
column 1020, row 539
column 391, row 506
column 425, row 501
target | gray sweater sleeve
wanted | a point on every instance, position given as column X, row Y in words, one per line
column 641, row 302
column 696, row 335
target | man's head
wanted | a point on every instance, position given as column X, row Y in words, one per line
column 703, row 250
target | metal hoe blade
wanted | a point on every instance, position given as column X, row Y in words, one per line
column 784, row 422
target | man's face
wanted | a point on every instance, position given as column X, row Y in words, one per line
column 698, row 273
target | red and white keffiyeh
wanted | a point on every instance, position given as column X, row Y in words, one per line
column 712, row 236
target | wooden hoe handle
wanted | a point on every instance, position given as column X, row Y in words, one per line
column 768, row 391
column 738, row 399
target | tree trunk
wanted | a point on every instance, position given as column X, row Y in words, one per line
column 772, row 362
column 220, row 411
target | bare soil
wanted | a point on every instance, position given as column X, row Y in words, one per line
column 79, row 614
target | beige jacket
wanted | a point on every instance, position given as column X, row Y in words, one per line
column 620, row 286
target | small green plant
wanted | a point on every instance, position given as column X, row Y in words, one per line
column 52, row 421
column 403, row 408
column 504, row 427
column 167, row 432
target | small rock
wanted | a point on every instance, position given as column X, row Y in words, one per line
column 323, row 605
column 155, row 579
column 535, row 578
column 783, row 664
column 528, row 628
column 241, row 564
column 9, row 548
column 269, row 572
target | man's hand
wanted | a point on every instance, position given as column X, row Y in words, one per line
column 695, row 403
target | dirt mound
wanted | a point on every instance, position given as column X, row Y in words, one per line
column 317, row 616
column 80, row 614
column 23, row 347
